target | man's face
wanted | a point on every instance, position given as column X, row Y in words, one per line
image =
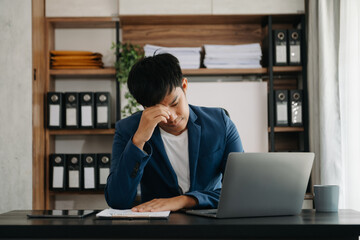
column 178, row 106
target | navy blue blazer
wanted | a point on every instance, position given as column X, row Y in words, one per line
column 212, row 136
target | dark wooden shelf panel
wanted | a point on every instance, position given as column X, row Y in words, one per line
column 287, row 129
column 108, row 71
column 54, row 132
column 83, row 22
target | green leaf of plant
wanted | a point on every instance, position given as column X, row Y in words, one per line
column 129, row 55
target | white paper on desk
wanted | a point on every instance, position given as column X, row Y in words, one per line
column 115, row 213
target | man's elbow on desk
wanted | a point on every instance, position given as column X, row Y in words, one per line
column 117, row 202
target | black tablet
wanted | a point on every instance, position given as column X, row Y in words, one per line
column 60, row 213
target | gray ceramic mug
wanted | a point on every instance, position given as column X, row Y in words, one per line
column 326, row 198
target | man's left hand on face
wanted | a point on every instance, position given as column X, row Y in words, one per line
column 166, row 204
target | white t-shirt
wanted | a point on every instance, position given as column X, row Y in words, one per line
column 177, row 150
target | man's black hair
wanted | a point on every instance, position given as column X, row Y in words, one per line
column 152, row 78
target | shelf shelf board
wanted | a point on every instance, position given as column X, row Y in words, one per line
column 238, row 71
column 107, row 71
column 309, row 196
column 53, row 193
column 287, row 129
column 110, row 71
column 83, row 22
column 54, row 132
column 207, row 71
column 287, row 69
column 189, row 19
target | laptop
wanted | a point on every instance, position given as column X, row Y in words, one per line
column 262, row 184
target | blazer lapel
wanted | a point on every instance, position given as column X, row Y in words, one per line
column 194, row 133
column 159, row 145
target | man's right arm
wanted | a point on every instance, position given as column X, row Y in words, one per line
column 129, row 157
column 128, row 162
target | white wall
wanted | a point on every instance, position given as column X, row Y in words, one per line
column 81, row 8
column 16, row 105
column 246, row 102
column 146, row 7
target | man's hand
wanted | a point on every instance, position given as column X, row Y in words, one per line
column 150, row 118
column 166, row 204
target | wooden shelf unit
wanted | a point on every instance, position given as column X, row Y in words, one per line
column 51, row 24
column 168, row 31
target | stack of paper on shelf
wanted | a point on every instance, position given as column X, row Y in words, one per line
column 75, row 60
column 189, row 57
column 233, row 56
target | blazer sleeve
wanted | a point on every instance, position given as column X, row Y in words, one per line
column 127, row 166
column 210, row 198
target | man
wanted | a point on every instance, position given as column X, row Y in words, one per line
column 176, row 151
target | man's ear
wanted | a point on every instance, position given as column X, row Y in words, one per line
column 184, row 84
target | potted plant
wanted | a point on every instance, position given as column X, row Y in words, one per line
column 129, row 55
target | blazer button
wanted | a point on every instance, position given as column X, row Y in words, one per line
column 135, row 170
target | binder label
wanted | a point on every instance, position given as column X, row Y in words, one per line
column 102, row 114
column 104, row 173
column 281, row 53
column 86, row 116
column 58, row 177
column 89, row 177
column 74, row 179
column 282, row 112
column 296, row 114
column 71, row 117
column 54, row 115
column 295, row 54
